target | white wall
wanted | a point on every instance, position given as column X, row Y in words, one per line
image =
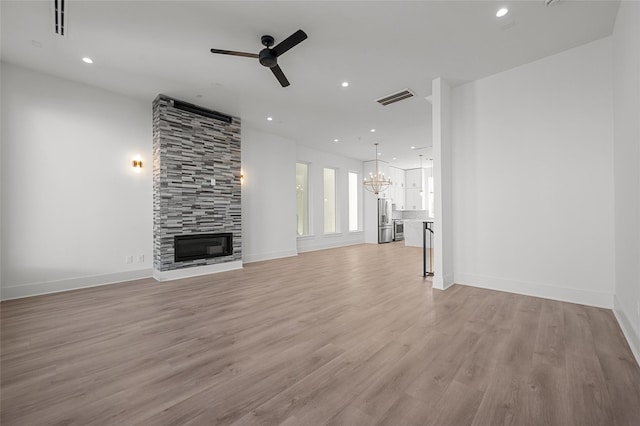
column 317, row 161
column 533, row 178
column 72, row 206
column 268, row 196
column 626, row 78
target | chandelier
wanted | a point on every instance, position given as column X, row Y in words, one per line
column 376, row 183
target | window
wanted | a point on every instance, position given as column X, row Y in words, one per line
column 329, row 201
column 353, row 201
column 302, row 198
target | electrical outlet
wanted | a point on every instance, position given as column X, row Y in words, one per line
column 141, row 258
column 128, row 260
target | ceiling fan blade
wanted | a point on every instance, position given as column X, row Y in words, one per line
column 234, row 53
column 277, row 71
column 289, row 42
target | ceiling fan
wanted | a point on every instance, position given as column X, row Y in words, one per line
column 269, row 56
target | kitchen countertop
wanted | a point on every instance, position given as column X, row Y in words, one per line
column 413, row 229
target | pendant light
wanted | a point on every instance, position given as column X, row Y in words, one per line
column 376, row 183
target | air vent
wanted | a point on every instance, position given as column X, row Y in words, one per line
column 184, row 106
column 60, row 12
column 396, row 97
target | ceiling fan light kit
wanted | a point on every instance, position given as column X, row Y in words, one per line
column 268, row 57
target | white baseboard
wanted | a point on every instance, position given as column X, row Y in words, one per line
column 36, row 289
column 442, row 283
column 327, row 244
column 545, row 291
column 249, row 258
column 196, row 271
column 632, row 335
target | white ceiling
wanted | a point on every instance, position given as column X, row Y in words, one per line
column 142, row 48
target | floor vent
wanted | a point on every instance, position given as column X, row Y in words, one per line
column 60, row 17
column 396, row 97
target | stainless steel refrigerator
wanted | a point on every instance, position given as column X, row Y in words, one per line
column 385, row 224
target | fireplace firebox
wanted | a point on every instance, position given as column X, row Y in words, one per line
column 202, row 246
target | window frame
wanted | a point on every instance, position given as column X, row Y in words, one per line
column 357, row 203
column 308, row 201
column 335, row 202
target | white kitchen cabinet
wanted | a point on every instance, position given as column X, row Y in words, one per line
column 413, row 197
column 396, row 192
column 413, row 177
column 400, row 189
column 392, row 188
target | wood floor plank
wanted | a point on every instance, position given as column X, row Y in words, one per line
column 458, row 406
column 349, row 416
column 590, row 403
column 385, row 385
column 407, row 410
column 443, row 363
column 623, row 385
column 550, row 343
column 482, row 361
column 578, row 337
column 506, row 311
column 501, row 400
column 346, row 336
column 517, row 353
column 543, row 398
column 324, row 390
column 228, row 400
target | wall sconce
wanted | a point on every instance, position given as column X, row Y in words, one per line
column 137, row 164
column 241, row 177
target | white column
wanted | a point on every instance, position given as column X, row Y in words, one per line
column 442, row 176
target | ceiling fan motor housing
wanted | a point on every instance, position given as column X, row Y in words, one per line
column 267, row 40
column 268, row 58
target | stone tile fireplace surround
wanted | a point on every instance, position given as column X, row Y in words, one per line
column 196, row 185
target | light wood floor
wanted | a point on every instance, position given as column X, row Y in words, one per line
column 344, row 337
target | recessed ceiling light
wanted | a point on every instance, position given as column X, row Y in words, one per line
column 413, row 147
column 269, row 118
column 500, row 13
column 336, row 140
column 379, row 153
column 87, row 60
column 345, row 84
column 373, row 130
column 394, row 158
